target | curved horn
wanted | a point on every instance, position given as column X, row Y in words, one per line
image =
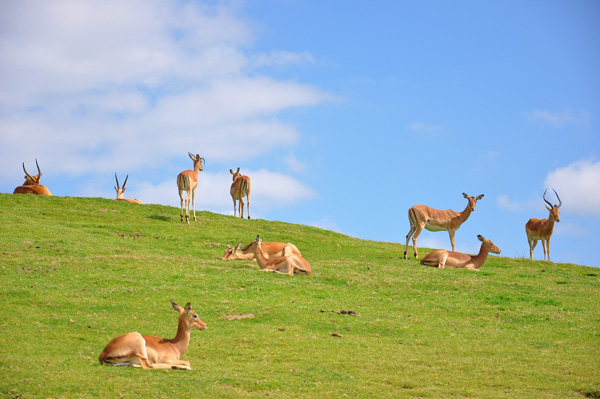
column 26, row 173
column 125, row 182
column 117, row 179
column 559, row 201
column 546, row 201
column 40, row 172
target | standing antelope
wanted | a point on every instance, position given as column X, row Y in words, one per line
column 121, row 190
column 134, row 349
column 289, row 263
column 537, row 229
column 423, row 217
column 32, row 183
column 441, row 258
column 236, row 253
column 240, row 188
column 188, row 181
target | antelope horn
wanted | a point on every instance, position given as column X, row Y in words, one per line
column 546, row 201
column 118, row 187
column 38, row 166
column 125, row 182
column 559, row 201
column 26, row 173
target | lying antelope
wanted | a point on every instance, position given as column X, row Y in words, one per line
column 441, row 258
column 272, row 249
column 289, row 263
column 537, row 229
column 188, row 181
column 240, row 188
column 134, row 349
column 423, row 217
column 121, row 190
column 32, row 183
column 236, row 253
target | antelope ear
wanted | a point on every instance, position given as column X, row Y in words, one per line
column 547, row 207
column 188, row 307
column 465, row 195
column 480, row 237
column 238, row 246
column 238, row 171
column 480, row 197
column 231, row 171
column 228, row 246
column 176, row 307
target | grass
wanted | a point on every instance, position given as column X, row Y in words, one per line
column 77, row 272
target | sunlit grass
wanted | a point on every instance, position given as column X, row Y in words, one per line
column 77, row 272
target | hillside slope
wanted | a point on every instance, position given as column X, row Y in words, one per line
column 77, row 272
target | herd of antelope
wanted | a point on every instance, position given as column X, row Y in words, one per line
column 150, row 352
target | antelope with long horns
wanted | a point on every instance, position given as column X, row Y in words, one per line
column 240, row 188
column 32, row 183
column 188, row 181
column 456, row 260
column 149, row 352
column 121, row 190
column 537, row 229
column 423, row 217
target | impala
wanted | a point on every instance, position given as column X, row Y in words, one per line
column 188, row 181
column 236, row 253
column 134, row 349
column 32, row 183
column 289, row 263
column 271, row 249
column 537, row 229
column 441, row 258
column 240, row 188
column 423, row 217
column 121, row 190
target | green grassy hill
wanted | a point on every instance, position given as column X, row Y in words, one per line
column 77, row 272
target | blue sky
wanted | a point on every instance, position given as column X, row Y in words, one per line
column 343, row 115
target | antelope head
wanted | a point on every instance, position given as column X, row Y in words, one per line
column 197, row 160
column 554, row 214
column 472, row 200
column 120, row 190
column 32, row 180
column 489, row 245
column 235, row 174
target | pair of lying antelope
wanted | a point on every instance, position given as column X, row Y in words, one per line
column 270, row 256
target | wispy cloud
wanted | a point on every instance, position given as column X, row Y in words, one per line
column 558, row 119
column 421, row 127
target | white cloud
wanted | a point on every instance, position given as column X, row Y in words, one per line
column 421, row 127
column 578, row 186
column 281, row 58
column 558, row 119
column 505, row 203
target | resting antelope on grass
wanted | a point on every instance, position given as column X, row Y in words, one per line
column 240, row 188
column 32, row 183
column 137, row 350
column 121, row 190
column 537, row 229
column 271, row 249
column 290, row 263
column 236, row 253
column 441, row 258
column 188, row 181
column 423, row 217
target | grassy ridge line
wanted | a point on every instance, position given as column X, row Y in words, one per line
column 93, row 268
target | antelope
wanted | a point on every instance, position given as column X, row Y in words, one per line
column 236, row 253
column 423, row 217
column 537, row 229
column 32, row 183
column 121, row 190
column 135, row 350
column 188, row 181
column 289, row 263
column 240, row 188
column 272, row 249
column 456, row 260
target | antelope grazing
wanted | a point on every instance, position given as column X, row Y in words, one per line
column 134, row 349
column 423, row 217
column 32, row 183
column 537, row 229
column 289, row 263
column 272, row 249
column 236, row 253
column 121, row 190
column 441, row 258
column 188, row 181
column 240, row 188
